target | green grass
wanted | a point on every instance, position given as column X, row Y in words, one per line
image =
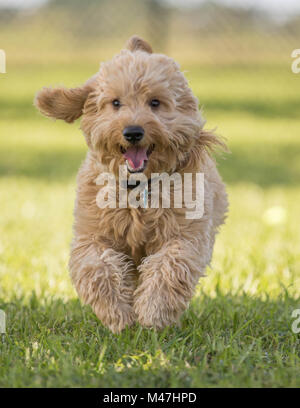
column 237, row 331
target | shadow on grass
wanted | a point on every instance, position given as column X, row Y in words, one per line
column 18, row 109
column 54, row 165
column 260, row 108
column 263, row 165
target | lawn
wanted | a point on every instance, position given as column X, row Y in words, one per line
column 237, row 330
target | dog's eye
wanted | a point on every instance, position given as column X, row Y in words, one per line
column 154, row 103
column 116, row 103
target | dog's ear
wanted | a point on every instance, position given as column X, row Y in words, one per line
column 207, row 142
column 136, row 43
column 211, row 142
column 63, row 103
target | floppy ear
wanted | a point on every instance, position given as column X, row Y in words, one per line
column 211, row 142
column 207, row 142
column 63, row 103
column 136, row 43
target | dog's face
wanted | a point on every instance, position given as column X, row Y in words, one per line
column 138, row 110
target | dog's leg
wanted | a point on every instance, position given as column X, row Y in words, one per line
column 167, row 281
column 105, row 280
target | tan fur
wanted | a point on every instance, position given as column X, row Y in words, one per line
column 136, row 43
column 139, row 264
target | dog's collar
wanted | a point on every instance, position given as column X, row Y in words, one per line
column 125, row 184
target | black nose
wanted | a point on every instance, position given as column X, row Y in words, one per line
column 133, row 134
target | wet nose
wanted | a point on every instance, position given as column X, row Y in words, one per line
column 133, row 134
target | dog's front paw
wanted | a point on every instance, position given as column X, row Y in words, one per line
column 156, row 308
column 107, row 283
column 116, row 316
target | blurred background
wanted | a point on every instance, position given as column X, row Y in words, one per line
column 216, row 32
column 237, row 58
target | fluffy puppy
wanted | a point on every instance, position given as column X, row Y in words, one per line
column 139, row 264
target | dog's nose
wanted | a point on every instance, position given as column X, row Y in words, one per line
column 133, row 134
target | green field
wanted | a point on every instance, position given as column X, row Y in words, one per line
column 237, row 331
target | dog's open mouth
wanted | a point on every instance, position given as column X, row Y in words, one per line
column 137, row 157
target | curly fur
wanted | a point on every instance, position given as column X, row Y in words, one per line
column 139, row 264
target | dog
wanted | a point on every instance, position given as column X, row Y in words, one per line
column 139, row 264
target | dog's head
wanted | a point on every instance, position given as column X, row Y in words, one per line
column 137, row 110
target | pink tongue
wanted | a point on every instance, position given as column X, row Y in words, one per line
column 136, row 156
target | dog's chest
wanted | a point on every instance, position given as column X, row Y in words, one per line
column 136, row 232
column 124, row 228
